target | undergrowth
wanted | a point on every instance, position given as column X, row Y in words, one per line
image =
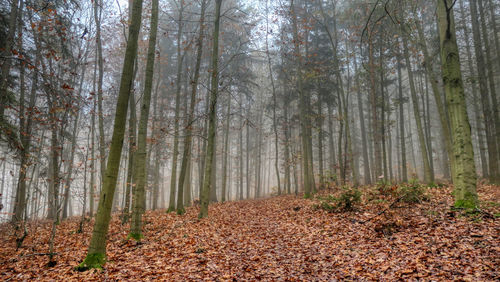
column 346, row 201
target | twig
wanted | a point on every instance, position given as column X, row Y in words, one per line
column 39, row 254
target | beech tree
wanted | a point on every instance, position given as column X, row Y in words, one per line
column 464, row 174
column 96, row 256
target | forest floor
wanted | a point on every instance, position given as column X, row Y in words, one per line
column 279, row 238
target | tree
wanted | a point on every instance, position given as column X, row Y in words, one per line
column 489, row 120
column 140, row 178
column 186, row 154
column 207, row 183
column 464, row 174
column 180, row 58
column 96, row 255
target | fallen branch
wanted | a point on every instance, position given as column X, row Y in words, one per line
column 39, row 254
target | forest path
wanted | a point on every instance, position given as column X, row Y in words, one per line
column 280, row 238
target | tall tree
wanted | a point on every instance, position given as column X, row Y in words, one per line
column 140, row 178
column 175, row 155
column 428, row 174
column 464, row 175
column 100, row 63
column 275, row 105
column 212, row 115
column 96, row 255
column 485, row 96
column 186, row 154
column 308, row 178
column 6, row 97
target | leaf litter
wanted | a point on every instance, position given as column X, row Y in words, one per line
column 280, row 238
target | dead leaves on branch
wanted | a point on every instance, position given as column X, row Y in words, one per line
column 282, row 238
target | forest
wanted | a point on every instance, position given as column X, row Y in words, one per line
column 228, row 140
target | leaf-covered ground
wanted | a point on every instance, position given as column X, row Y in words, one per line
column 280, row 238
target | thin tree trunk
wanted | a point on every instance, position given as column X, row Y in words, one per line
column 102, row 145
column 489, row 120
column 366, row 161
column 240, row 147
column 67, row 182
column 7, row 53
column 428, row 177
column 275, row 104
column 25, row 127
column 140, row 174
column 175, row 154
column 247, row 157
column 320, row 143
column 382, row 109
column 475, row 96
column 186, row 154
column 286, row 127
column 131, row 152
column 493, row 93
column 443, row 118
column 212, row 115
column 304, row 120
column 226, row 150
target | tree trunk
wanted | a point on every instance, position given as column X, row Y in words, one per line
column 186, row 154
column 485, row 99
column 102, row 145
column 67, row 183
column 96, row 255
column 464, row 176
column 275, row 104
column 443, row 118
column 7, row 53
column 240, row 146
column 131, row 152
column 286, row 129
column 494, row 102
column 320, row 142
column 304, row 120
column 366, row 161
column 175, row 154
column 140, row 174
column 477, row 112
column 428, row 176
column 25, row 127
column 212, row 115
column 247, row 170
column 226, row 150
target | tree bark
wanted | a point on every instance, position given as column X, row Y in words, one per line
column 477, row 111
column 464, row 176
column 212, row 115
column 102, row 145
column 175, row 154
column 428, row 176
column 140, row 174
column 489, row 120
column 96, row 255
column 186, row 154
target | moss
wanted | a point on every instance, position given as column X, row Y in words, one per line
column 181, row 211
column 95, row 260
column 170, row 210
column 135, row 236
column 466, row 203
column 307, row 196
